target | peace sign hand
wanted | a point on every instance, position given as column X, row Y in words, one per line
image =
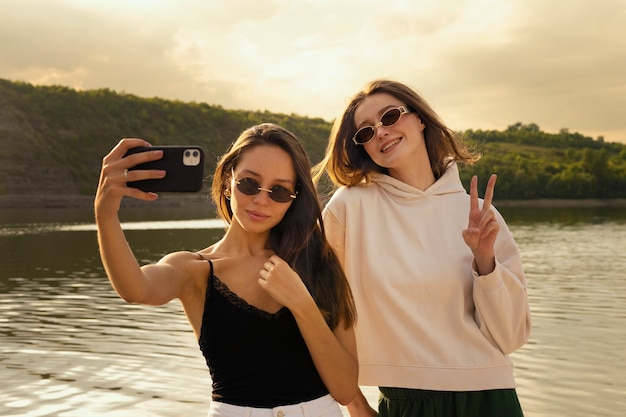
column 483, row 227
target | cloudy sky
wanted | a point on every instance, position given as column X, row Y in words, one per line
column 482, row 64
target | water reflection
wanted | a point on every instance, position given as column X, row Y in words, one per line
column 78, row 350
column 577, row 291
column 71, row 347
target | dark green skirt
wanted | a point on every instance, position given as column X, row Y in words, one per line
column 403, row 402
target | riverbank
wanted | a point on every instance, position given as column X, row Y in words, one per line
column 555, row 203
column 56, row 201
column 203, row 199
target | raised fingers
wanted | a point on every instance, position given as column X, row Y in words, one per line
column 123, row 146
column 117, row 172
column 489, row 191
column 474, row 193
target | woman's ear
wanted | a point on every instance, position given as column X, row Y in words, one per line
column 228, row 181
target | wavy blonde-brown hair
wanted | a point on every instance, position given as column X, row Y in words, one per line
column 348, row 164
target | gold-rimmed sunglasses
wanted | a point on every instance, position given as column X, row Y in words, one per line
column 389, row 118
column 278, row 193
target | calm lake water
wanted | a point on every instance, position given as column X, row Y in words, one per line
column 70, row 347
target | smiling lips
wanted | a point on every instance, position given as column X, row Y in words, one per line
column 389, row 145
column 255, row 215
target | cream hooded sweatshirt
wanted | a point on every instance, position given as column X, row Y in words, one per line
column 426, row 319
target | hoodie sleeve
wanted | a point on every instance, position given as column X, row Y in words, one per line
column 335, row 233
column 501, row 299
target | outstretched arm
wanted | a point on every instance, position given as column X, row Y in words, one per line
column 132, row 283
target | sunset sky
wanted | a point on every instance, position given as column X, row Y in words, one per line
column 482, row 64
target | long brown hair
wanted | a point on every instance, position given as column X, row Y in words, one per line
column 299, row 238
column 349, row 164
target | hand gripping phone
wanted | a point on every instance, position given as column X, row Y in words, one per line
column 184, row 166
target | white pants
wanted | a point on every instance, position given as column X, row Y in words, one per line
column 325, row 406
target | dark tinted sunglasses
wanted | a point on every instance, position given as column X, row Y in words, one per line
column 389, row 118
column 250, row 186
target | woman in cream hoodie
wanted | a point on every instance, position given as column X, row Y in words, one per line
column 436, row 274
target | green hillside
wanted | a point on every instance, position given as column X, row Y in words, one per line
column 52, row 140
column 532, row 164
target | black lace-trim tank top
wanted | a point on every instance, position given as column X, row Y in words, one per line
column 255, row 358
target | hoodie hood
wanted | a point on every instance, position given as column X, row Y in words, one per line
column 401, row 192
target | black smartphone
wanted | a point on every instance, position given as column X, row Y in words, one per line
column 184, row 166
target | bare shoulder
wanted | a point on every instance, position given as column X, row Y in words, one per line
column 188, row 264
column 191, row 268
column 180, row 257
